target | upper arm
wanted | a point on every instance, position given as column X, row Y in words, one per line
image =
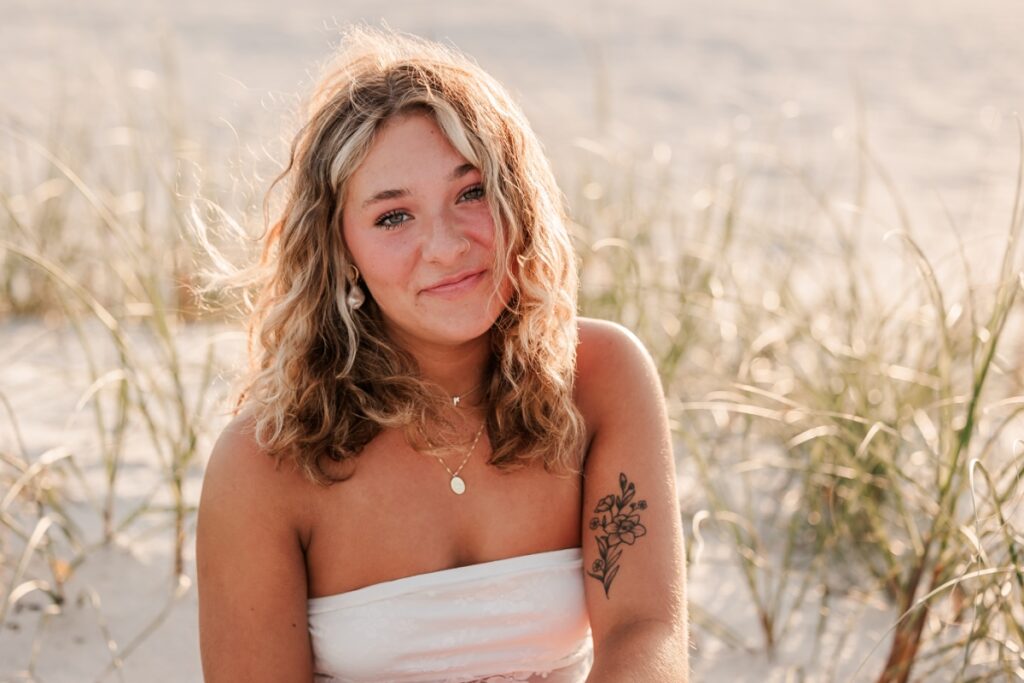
column 250, row 568
column 633, row 549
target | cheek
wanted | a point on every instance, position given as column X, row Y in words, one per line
column 491, row 241
column 504, row 300
column 364, row 251
column 352, row 247
column 386, row 265
column 481, row 223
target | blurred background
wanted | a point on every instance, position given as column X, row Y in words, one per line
column 808, row 211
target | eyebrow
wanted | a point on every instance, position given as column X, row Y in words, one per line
column 402, row 192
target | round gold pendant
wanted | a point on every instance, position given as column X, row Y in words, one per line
column 458, row 486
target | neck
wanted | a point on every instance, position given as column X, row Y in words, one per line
column 459, row 369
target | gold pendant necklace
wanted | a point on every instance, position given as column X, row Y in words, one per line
column 457, row 483
column 457, row 398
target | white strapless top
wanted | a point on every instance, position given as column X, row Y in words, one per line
column 518, row 619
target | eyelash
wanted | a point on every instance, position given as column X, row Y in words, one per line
column 382, row 222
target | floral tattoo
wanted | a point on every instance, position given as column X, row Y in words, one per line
column 621, row 526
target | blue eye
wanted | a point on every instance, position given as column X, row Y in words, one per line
column 472, row 194
column 391, row 220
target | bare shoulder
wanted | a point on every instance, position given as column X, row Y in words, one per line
column 240, row 467
column 603, row 340
column 250, row 565
column 630, row 524
column 611, row 363
column 237, row 444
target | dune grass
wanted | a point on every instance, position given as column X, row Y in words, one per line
column 838, row 436
column 844, row 429
column 92, row 242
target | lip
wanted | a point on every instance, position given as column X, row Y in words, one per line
column 456, row 283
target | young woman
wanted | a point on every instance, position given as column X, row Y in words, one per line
column 437, row 471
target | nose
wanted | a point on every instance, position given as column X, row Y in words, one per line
column 445, row 240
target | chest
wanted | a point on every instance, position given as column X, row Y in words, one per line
column 397, row 516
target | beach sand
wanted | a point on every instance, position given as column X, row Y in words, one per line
column 938, row 81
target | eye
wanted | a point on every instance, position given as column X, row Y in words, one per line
column 392, row 219
column 473, row 194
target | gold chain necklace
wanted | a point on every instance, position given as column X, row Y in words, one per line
column 457, row 483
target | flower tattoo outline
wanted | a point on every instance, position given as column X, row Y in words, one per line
column 619, row 521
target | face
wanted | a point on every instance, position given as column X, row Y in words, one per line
column 419, row 229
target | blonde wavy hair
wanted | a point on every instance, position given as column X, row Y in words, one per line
column 324, row 380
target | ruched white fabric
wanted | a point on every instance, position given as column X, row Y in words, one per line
column 519, row 619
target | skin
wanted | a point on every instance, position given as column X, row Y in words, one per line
column 439, row 227
column 268, row 539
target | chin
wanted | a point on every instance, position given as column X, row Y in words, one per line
column 441, row 331
column 455, row 333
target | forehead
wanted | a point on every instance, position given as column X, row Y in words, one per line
column 406, row 149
